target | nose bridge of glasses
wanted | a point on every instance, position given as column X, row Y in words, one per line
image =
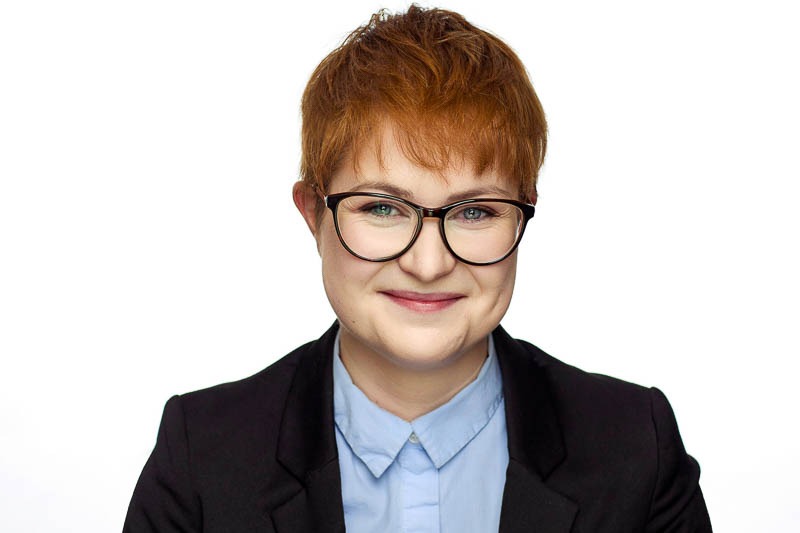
column 429, row 212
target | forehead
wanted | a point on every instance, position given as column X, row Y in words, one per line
column 384, row 164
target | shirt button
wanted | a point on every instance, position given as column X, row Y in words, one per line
column 413, row 439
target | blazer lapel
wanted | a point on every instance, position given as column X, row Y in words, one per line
column 535, row 445
column 316, row 508
column 307, row 446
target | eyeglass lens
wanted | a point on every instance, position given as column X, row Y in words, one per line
column 379, row 228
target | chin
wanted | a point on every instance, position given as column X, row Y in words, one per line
column 423, row 347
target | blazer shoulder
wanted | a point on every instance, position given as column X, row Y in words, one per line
column 562, row 374
column 215, row 459
column 623, row 451
column 596, row 406
column 215, row 413
column 271, row 381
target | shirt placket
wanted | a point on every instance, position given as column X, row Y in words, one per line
column 420, row 482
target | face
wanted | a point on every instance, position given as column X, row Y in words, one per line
column 425, row 309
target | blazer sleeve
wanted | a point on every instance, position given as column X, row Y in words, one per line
column 164, row 499
column 677, row 504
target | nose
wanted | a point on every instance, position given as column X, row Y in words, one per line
column 428, row 259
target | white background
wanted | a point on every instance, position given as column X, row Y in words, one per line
column 149, row 245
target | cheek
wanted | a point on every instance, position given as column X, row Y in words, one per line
column 336, row 276
column 334, row 257
column 510, row 275
column 497, row 282
column 345, row 277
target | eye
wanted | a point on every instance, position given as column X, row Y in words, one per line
column 380, row 209
column 473, row 213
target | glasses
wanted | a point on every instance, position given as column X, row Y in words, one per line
column 380, row 227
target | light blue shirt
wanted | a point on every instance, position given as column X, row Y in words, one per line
column 442, row 473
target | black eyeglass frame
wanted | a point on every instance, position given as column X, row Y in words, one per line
column 332, row 202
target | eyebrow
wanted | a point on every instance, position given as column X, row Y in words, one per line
column 394, row 190
column 384, row 187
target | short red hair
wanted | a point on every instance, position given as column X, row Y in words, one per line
column 451, row 91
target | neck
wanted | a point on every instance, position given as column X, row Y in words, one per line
column 405, row 391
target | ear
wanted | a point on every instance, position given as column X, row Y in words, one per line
column 306, row 199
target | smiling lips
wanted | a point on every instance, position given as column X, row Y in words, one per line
column 423, row 302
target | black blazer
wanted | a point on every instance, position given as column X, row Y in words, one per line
column 587, row 453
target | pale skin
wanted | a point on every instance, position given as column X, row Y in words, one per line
column 414, row 330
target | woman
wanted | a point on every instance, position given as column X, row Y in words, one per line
column 422, row 141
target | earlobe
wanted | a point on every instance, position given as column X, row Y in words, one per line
column 306, row 201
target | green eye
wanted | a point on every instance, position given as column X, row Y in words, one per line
column 473, row 213
column 381, row 210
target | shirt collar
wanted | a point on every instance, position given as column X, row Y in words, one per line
column 376, row 436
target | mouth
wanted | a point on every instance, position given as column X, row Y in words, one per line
column 423, row 302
